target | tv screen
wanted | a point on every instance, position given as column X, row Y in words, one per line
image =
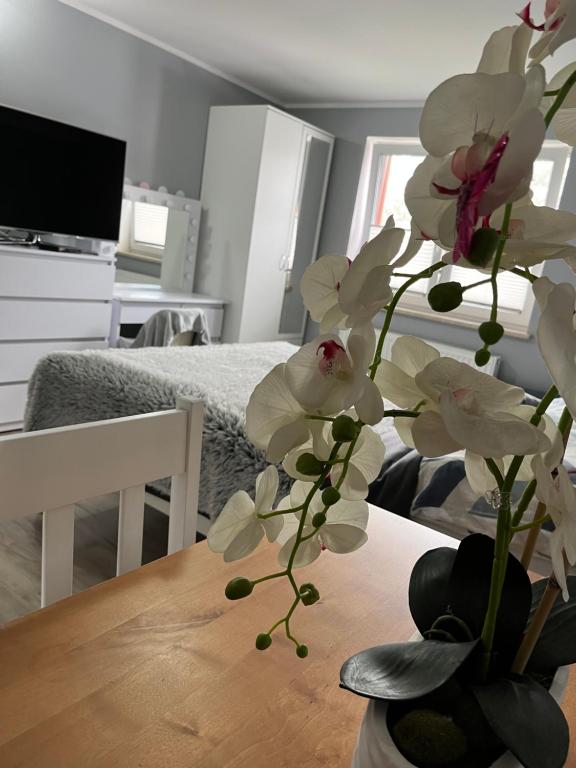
column 55, row 178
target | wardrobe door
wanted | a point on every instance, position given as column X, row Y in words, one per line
column 306, row 231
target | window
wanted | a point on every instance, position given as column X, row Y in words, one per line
column 387, row 166
column 150, row 225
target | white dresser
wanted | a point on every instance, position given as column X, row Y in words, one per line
column 48, row 302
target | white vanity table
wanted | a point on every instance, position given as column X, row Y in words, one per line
column 134, row 303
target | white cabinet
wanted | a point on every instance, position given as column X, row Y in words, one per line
column 48, row 302
column 263, row 189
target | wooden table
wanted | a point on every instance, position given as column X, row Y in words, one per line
column 156, row 669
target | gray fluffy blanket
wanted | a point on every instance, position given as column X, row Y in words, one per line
column 76, row 387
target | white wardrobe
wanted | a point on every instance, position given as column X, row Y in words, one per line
column 263, row 190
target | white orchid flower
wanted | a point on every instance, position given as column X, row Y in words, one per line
column 365, row 288
column 461, row 408
column 275, row 421
column 484, row 131
column 341, row 293
column 344, row 530
column 482, row 480
column 558, row 27
column 319, row 287
column 364, row 465
column 238, row 530
column 556, row 335
column 559, row 496
column 564, row 121
column 325, row 378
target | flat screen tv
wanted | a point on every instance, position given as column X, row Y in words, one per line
column 55, row 178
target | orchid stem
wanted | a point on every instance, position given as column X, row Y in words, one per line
column 560, row 98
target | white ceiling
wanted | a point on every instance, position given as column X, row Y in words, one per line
column 299, row 52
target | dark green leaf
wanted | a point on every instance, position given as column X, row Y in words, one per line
column 527, row 720
column 556, row 646
column 469, row 590
column 403, row 671
column 428, row 591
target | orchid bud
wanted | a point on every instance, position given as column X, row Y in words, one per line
column 330, row 496
column 491, row 332
column 344, row 429
column 445, row 297
column 319, row 519
column 238, row 588
column 483, row 246
column 309, row 594
column 302, row 651
column 482, row 357
column 263, row 641
column 308, row 464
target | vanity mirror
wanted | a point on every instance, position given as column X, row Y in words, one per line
column 158, row 237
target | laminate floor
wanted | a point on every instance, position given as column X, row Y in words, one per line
column 95, row 536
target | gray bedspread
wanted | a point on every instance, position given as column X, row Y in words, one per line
column 77, row 387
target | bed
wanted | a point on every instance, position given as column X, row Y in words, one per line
column 76, row 387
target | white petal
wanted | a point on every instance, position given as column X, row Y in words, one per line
column 412, row 247
column 403, row 426
column 352, row 513
column 319, row 285
column 506, row 50
column 286, row 438
column 364, row 468
column 343, row 538
column 273, row 527
column 557, row 338
column 266, row 489
column 465, row 105
column 567, row 29
column 412, row 355
column 490, row 435
column 237, row 513
column 308, row 551
column 370, row 406
column 245, row 542
column 397, row 386
column 362, row 351
column 558, row 566
column 425, row 209
column 430, row 436
column 479, row 476
column 270, row 407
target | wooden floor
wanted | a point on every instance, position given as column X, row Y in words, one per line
column 96, row 530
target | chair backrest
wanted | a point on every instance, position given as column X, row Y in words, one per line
column 50, row 470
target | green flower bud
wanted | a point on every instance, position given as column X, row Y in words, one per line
column 445, row 297
column 308, row 464
column 344, row 429
column 491, row 333
column 319, row 519
column 238, row 588
column 330, row 496
column 309, row 594
column 302, row 651
column 482, row 357
column 483, row 246
column 263, row 641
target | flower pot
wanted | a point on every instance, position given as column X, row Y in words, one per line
column 375, row 748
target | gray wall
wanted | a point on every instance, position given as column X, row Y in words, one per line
column 521, row 362
column 63, row 64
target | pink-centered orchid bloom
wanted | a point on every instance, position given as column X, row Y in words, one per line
column 558, row 27
column 326, row 377
column 483, row 132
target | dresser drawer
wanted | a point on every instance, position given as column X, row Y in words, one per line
column 12, row 405
column 55, row 277
column 17, row 360
column 37, row 320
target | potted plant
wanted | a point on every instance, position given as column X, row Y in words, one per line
column 479, row 686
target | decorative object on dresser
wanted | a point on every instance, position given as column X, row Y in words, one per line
column 160, row 230
column 134, row 304
column 49, row 301
column 263, row 189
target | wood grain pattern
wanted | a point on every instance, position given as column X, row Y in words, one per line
column 156, row 668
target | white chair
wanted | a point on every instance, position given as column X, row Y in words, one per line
column 50, row 470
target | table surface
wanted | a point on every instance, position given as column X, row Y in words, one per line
column 157, row 669
column 146, row 293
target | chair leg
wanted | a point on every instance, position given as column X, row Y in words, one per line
column 130, row 529
column 57, row 554
column 185, row 487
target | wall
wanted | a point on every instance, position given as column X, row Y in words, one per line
column 521, row 362
column 63, row 64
